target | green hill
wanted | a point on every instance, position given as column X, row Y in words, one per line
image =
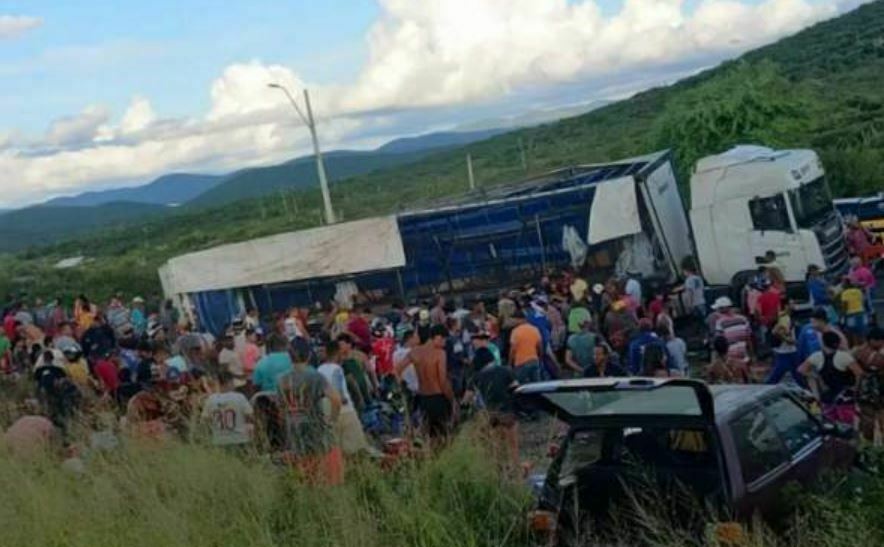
column 820, row 88
column 43, row 224
column 299, row 174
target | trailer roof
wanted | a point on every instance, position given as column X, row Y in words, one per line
column 558, row 180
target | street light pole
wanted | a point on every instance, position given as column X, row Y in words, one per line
column 320, row 164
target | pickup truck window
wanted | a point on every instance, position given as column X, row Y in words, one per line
column 770, row 214
column 796, row 427
column 759, row 447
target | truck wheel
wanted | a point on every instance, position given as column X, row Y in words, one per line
column 740, row 280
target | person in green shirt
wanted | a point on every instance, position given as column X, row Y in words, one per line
column 577, row 316
column 353, row 363
column 5, row 346
column 580, row 353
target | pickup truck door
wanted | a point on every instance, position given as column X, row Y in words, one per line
column 777, row 442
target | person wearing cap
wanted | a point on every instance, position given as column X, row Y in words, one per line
column 228, row 360
column 870, row 391
column 734, row 327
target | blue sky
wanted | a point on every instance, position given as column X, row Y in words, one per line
column 90, row 51
column 101, row 93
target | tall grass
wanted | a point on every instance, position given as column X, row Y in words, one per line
column 188, row 495
column 194, row 496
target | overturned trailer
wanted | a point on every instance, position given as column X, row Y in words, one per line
column 625, row 216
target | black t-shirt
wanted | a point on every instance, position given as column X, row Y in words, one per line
column 493, row 384
column 47, row 376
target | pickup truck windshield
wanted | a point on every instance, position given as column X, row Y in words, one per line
column 811, row 202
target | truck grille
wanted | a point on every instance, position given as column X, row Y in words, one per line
column 830, row 234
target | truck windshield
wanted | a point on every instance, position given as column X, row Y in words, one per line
column 811, row 202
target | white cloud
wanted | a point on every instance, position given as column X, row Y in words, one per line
column 138, row 116
column 422, row 54
column 79, row 129
column 13, row 26
column 447, row 51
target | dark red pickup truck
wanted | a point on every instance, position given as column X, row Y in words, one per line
column 733, row 447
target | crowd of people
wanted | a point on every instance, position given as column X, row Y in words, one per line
column 317, row 386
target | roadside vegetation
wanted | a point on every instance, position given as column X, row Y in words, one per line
column 191, row 496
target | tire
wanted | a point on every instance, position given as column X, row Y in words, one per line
column 740, row 280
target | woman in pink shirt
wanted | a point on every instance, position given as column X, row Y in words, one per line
column 862, row 276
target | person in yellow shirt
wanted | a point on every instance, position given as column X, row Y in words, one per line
column 852, row 302
column 75, row 366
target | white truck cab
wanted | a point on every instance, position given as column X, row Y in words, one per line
column 752, row 202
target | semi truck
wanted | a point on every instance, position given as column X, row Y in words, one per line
column 754, row 206
column 749, row 206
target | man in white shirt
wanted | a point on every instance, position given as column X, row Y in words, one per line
column 831, row 370
column 229, row 414
column 633, row 288
column 230, row 360
column 348, row 428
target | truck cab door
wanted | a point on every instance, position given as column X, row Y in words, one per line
column 773, row 233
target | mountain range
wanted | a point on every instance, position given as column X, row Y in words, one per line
column 172, row 189
column 65, row 217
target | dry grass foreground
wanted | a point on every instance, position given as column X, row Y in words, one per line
column 191, row 495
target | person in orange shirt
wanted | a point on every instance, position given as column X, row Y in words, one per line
column 526, row 349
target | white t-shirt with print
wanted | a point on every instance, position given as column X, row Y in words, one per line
column 228, row 415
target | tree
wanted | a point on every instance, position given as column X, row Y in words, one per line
column 747, row 104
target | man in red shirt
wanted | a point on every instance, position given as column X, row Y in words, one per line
column 382, row 348
column 107, row 372
column 769, row 305
column 360, row 330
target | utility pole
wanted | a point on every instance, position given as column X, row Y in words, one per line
column 320, row 165
column 317, row 153
column 522, row 155
column 470, row 172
